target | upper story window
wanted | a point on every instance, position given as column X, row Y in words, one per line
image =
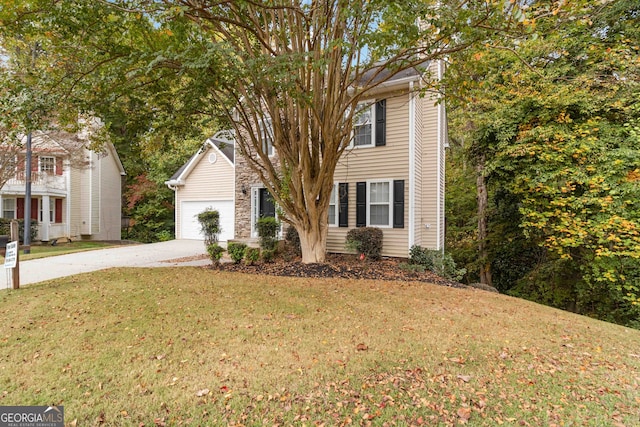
column 363, row 130
column 369, row 124
column 48, row 165
column 266, row 136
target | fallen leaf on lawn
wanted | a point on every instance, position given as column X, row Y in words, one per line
column 464, row 378
column 202, row 392
column 464, row 414
column 362, row 347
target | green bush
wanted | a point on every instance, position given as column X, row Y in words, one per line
column 268, row 255
column 164, row 236
column 5, row 228
column 268, row 231
column 365, row 240
column 215, row 252
column 437, row 261
column 252, row 256
column 209, row 226
column 412, row 268
column 237, row 251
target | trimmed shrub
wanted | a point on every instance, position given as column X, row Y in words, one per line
column 365, row 240
column 437, row 261
column 215, row 252
column 209, row 226
column 236, row 251
column 252, row 255
column 268, row 231
column 292, row 240
column 268, row 255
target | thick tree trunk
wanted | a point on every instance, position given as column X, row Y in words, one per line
column 483, row 202
column 313, row 243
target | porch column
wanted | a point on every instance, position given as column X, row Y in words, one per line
column 46, row 220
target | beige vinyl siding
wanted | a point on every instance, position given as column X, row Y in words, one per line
column 390, row 162
column 441, row 181
column 96, row 177
column 110, row 213
column 207, row 181
column 76, row 193
column 430, row 175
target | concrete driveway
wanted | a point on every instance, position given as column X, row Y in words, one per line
column 173, row 253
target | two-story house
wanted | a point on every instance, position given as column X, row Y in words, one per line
column 392, row 176
column 75, row 192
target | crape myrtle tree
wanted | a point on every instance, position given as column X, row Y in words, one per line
column 292, row 72
column 295, row 72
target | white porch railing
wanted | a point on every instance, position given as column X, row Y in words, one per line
column 44, row 179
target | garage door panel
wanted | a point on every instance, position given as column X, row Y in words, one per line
column 190, row 227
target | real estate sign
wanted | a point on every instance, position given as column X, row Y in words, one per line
column 11, row 256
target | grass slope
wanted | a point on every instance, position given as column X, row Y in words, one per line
column 191, row 346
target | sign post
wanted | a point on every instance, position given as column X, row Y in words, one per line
column 11, row 256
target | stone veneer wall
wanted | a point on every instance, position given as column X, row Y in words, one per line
column 245, row 178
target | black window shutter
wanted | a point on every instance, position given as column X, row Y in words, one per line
column 381, row 123
column 361, row 204
column 343, row 197
column 398, row 203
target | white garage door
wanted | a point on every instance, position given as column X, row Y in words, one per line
column 190, row 227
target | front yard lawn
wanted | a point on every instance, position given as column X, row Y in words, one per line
column 194, row 346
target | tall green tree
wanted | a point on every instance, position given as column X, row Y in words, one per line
column 289, row 71
column 556, row 118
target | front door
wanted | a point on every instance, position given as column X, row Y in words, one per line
column 267, row 206
column 262, row 205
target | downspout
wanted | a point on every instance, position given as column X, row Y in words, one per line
column 412, row 165
column 440, row 167
column 173, row 185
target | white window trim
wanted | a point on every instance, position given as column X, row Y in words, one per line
column 335, row 201
column 390, row 203
column 371, row 105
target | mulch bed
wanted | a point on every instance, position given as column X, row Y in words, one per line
column 340, row 266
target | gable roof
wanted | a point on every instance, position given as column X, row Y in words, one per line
column 222, row 146
column 390, row 77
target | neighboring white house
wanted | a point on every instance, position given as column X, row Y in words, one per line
column 76, row 193
column 206, row 181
